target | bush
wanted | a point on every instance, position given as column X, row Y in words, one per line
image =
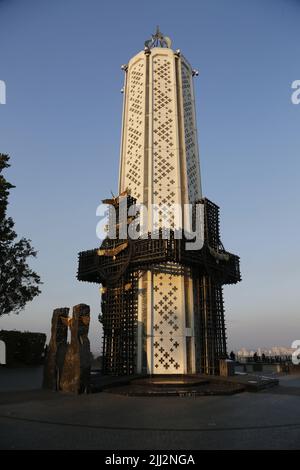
column 23, row 348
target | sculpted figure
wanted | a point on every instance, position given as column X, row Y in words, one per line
column 57, row 349
column 77, row 364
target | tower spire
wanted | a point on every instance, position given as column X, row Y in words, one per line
column 158, row 40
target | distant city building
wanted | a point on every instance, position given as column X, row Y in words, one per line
column 269, row 352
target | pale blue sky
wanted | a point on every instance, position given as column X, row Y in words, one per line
column 61, row 125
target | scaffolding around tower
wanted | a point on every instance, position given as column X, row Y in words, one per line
column 119, row 264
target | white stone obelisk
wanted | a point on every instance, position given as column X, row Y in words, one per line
column 159, row 164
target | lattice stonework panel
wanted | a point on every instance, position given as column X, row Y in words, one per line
column 168, row 321
column 134, row 133
column 166, row 177
column 191, row 146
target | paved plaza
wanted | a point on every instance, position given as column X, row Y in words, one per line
column 31, row 418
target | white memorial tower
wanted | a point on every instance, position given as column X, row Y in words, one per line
column 159, row 164
column 162, row 309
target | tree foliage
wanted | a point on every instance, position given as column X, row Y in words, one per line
column 18, row 283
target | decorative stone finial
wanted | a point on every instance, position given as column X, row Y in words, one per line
column 158, row 40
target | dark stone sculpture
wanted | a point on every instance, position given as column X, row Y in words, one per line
column 76, row 370
column 57, row 349
column 71, row 372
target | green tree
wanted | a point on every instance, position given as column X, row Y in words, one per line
column 18, row 283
